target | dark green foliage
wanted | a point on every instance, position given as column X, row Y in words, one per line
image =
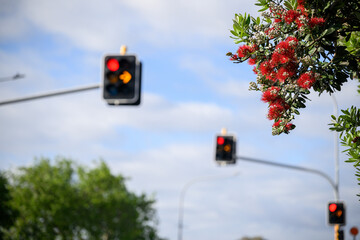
column 348, row 125
column 7, row 214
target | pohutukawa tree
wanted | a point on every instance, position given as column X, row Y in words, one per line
column 296, row 46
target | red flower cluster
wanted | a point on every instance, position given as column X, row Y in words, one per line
column 299, row 16
column 316, row 22
column 271, row 94
column 290, row 16
column 306, row 80
column 286, row 72
column 244, row 50
column 277, row 105
column 277, row 108
column 288, row 126
column 301, row 6
column 252, row 61
column 281, row 74
column 234, row 57
column 282, row 64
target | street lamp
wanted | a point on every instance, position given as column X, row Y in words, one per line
column 186, row 187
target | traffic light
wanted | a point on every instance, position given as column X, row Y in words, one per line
column 336, row 213
column 225, row 149
column 121, row 79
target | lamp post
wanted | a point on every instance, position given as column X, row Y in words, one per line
column 183, row 192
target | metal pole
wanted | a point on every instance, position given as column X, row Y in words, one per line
column 333, row 185
column 336, row 148
column 182, row 197
column 51, row 94
column 336, row 153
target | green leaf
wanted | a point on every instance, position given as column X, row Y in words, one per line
column 328, row 31
column 287, row 4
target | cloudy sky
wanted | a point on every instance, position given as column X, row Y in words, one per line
column 190, row 91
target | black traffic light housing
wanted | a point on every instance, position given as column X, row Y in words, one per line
column 225, row 152
column 340, row 234
column 336, row 213
column 121, row 79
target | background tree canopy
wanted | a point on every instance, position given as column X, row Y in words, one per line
column 65, row 201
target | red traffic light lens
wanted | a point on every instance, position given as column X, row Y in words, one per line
column 220, row 140
column 332, row 207
column 112, row 64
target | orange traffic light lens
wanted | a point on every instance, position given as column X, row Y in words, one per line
column 113, row 78
column 332, row 207
column 227, row 148
column 125, row 77
column 112, row 64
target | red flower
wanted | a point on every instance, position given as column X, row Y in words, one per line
column 301, row 22
column 265, row 68
column 278, row 58
column 290, row 16
column 277, row 108
column 271, row 94
column 293, row 41
column 316, row 22
column 306, row 80
column 290, row 126
column 244, row 50
column 284, row 73
column 283, row 45
column 276, row 124
column 301, row 2
column 252, row 61
column 270, row 32
column 275, row 111
column 234, row 57
column 287, row 47
column 272, row 76
column 284, row 52
column 255, row 70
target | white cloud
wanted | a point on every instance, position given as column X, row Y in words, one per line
column 106, row 25
column 12, row 26
column 75, row 120
column 217, row 78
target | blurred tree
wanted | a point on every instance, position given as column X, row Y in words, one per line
column 62, row 201
column 252, row 238
column 6, row 213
